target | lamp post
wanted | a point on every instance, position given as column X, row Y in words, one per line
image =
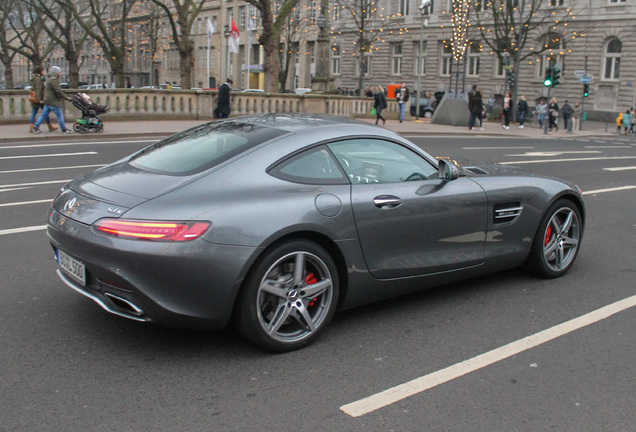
column 321, row 80
column 227, row 33
column 425, row 10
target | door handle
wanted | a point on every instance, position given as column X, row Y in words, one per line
column 387, row 201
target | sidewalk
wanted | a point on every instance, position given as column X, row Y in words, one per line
column 162, row 128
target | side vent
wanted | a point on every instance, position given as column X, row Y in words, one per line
column 506, row 212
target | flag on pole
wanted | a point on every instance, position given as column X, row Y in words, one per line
column 234, row 39
column 210, row 31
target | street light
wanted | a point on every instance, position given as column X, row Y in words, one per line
column 425, row 9
column 227, row 33
column 321, row 80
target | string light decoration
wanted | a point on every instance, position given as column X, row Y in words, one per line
column 459, row 40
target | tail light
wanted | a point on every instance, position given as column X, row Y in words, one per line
column 152, row 230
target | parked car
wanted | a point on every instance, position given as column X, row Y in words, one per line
column 276, row 221
column 301, row 91
column 426, row 106
column 252, row 91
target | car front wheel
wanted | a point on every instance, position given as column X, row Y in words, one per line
column 557, row 241
column 289, row 296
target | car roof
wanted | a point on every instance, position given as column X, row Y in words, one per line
column 296, row 122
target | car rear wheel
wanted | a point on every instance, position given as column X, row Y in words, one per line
column 289, row 297
column 557, row 241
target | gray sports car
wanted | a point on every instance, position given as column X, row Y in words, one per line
column 274, row 222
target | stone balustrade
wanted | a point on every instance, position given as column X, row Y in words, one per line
column 148, row 104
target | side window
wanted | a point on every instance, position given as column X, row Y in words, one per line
column 314, row 166
column 378, row 161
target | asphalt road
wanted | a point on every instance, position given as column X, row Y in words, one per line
column 65, row 365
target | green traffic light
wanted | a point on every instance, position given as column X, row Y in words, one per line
column 547, row 82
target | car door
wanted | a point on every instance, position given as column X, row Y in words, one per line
column 409, row 221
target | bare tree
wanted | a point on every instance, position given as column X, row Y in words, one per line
column 272, row 24
column 181, row 15
column 508, row 26
column 7, row 39
column 290, row 42
column 29, row 27
column 107, row 22
column 61, row 30
column 368, row 24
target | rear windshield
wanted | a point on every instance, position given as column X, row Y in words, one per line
column 202, row 147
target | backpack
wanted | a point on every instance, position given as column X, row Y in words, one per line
column 33, row 97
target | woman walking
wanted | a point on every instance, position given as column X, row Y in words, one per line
column 379, row 103
column 553, row 109
column 37, row 85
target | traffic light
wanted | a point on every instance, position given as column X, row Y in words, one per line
column 511, row 79
column 556, row 74
column 586, row 90
column 548, row 76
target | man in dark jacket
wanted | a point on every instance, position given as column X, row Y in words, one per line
column 475, row 106
column 522, row 108
column 54, row 99
column 223, row 101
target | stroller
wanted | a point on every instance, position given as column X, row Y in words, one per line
column 89, row 121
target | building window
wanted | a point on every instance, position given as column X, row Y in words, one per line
column 366, row 65
column 230, row 16
column 312, row 11
column 447, row 56
column 335, row 60
column 555, row 3
column 616, row 1
column 404, row 7
column 474, row 51
column 335, row 14
column 396, row 59
column 612, row 60
column 242, row 17
column 552, row 56
column 421, row 70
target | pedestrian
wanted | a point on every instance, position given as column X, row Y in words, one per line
column 626, row 121
column 223, row 100
column 475, row 106
column 619, row 123
column 632, row 122
column 576, row 116
column 402, row 97
column 491, row 106
column 522, row 108
column 542, row 110
column 553, row 109
column 37, row 85
column 507, row 106
column 379, row 103
column 567, row 112
column 369, row 92
column 53, row 100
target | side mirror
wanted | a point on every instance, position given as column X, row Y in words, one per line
column 447, row 170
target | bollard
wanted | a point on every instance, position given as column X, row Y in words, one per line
column 570, row 125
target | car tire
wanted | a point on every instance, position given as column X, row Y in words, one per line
column 428, row 114
column 557, row 241
column 288, row 297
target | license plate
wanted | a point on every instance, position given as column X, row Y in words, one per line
column 73, row 267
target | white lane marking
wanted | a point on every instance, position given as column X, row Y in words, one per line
column 22, row 230
column 47, row 155
column 418, row 385
column 620, row 168
column 52, row 168
column 616, row 189
column 13, row 189
column 553, row 153
column 75, row 144
column 565, row 160
column 496, row 148
column 608, row 147
column 34, row 184
column 25, row 203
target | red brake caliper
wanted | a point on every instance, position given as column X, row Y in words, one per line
column 311, row 279
column 548, row 234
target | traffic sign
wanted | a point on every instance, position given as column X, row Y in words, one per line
column 579, row 74
column 585, row 80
